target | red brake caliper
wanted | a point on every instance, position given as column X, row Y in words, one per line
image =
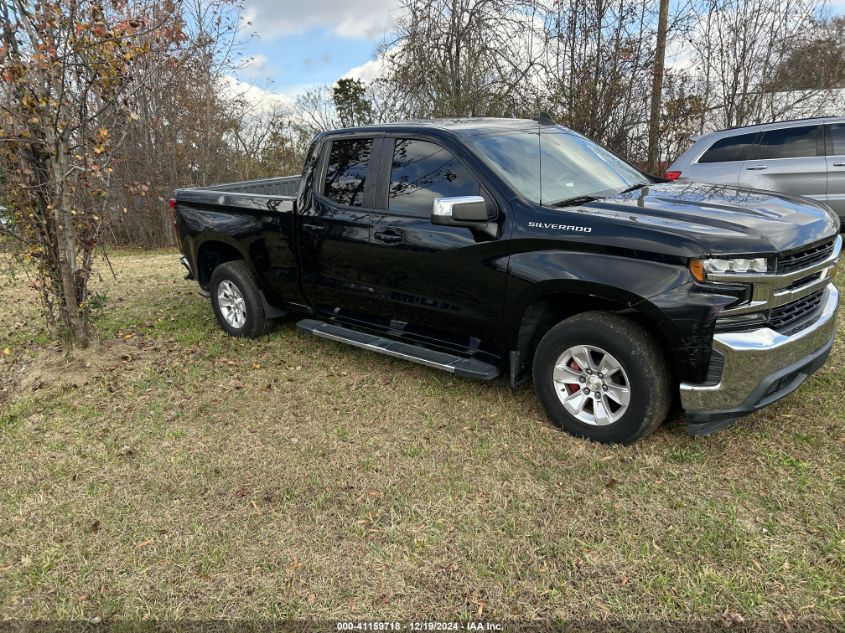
column 573, row 387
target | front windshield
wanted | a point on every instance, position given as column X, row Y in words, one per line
column 555, row 166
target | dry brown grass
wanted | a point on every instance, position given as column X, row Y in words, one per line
column 191, row 475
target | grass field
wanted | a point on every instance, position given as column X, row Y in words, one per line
column 178, row 473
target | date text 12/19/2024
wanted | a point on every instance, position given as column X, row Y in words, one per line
column 421, row 627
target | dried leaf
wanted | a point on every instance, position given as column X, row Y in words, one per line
column 731, row 618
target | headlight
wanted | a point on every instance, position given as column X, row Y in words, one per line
column 700, row 268
column 721, row 266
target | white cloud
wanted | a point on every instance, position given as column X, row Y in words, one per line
column 256, row 67
column 366, row 72
column 261, row 99
column 362, row 19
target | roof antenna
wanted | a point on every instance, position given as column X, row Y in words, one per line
column 544, row 118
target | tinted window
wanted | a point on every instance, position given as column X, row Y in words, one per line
column 729, row 149
column 347, row 171
column 424, row 171
column 837, row 134
column 791, row 142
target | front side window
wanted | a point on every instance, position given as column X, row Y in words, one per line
column 555, row 166
column 790, row 142
column 837, row 135
column 422, row 171
column 730, row 149
column 346, row 173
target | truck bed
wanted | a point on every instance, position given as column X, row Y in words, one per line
column 246, row 193
column 279, row 186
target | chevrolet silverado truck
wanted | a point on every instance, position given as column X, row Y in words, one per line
column 498, row 246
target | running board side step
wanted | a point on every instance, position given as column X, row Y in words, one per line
column 458, row 365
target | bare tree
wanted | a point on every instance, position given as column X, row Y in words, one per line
column 738, row 46
column 599, row 68
column 462, row 57
column 316, row 110
column 817, row 63
column 190, row 125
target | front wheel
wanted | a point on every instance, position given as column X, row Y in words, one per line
column 237, row 301
column 602, row 377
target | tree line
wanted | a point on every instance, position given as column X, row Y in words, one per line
column 107, row 105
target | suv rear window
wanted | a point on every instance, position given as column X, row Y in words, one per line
column 789, row 142
column 346, row 173
column 730, row 149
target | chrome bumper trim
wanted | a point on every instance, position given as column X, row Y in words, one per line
column 754, row 356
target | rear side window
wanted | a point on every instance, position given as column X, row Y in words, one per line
column 790, row 142
column 730, row 149
column 837, row 135
column 346, row 173
column 423, row 171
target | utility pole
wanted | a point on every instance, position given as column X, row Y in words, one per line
column 657, row 89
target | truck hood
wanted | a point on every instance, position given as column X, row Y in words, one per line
column 723, row 220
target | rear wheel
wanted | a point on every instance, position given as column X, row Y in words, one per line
column 236, row 300
column 602, row 377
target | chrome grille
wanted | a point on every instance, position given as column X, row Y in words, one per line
column 783, row 316
column 804, row 281
column 804, row 258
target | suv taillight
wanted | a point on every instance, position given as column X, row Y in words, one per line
column 173, row 213
column 672, row 175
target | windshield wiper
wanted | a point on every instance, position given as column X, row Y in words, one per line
column 633, row 188
column 571, row 202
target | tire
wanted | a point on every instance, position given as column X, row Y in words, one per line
column 236, row 300
column 605, row 417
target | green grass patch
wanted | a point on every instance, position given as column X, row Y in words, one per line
column 175, row 472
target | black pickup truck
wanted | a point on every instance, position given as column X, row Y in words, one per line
column 481, row 246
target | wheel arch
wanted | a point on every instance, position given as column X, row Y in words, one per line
column 214, row 250
column 552, row 303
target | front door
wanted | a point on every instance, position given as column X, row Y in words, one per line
column 836, row 168
column 334, row 228
column 445, row 281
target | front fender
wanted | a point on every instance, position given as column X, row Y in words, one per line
column 661, row 292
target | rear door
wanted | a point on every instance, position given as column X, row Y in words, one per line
column 789, row 160
column 836, row 168
column 444, row 281
column 334, row 228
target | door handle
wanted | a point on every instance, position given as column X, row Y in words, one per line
column 839, row 164
column 390, row 236
column 314, row 228
column 756, row 167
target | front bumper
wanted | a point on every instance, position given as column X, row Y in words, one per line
column 760, row 366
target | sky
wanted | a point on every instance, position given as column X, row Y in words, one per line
column 301, row 44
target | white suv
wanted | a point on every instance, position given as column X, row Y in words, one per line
column 804, row 157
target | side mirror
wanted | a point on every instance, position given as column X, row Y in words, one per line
column 461, row 211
